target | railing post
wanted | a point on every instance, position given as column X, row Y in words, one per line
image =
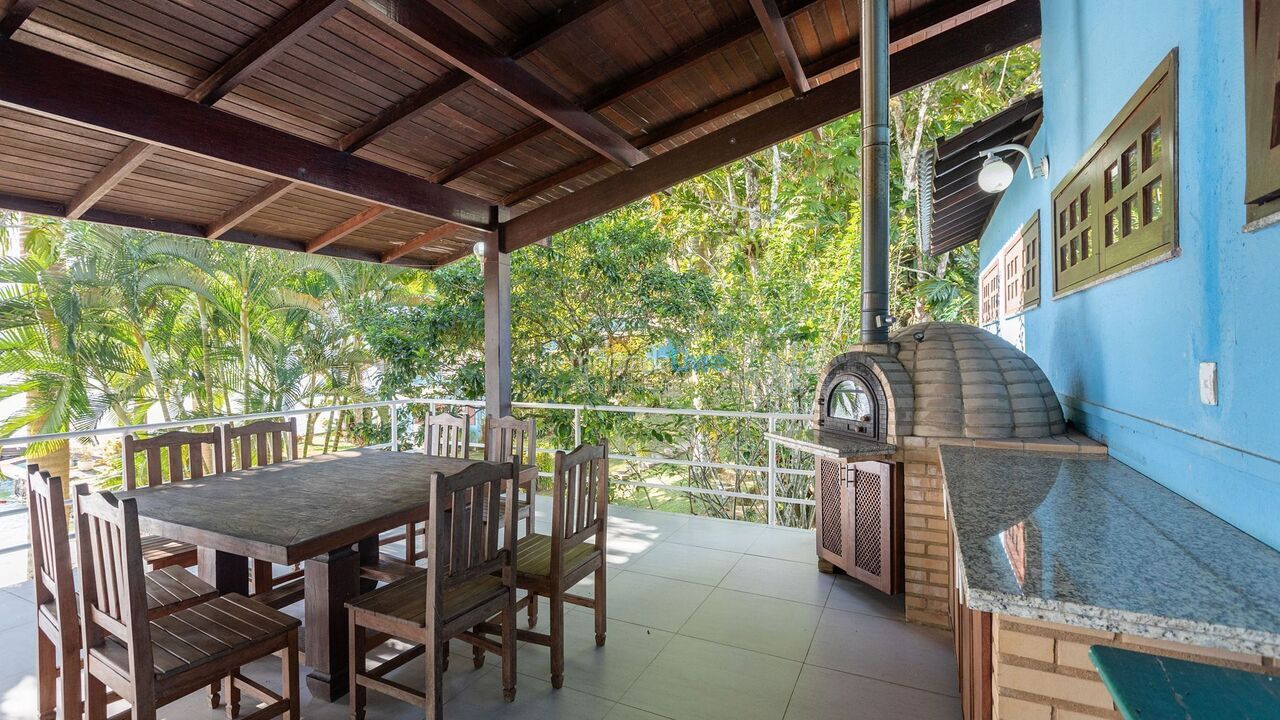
column 773, row 473
column 395, row 429
column 577, row 427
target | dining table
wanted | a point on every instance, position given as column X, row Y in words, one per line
column 323, row 511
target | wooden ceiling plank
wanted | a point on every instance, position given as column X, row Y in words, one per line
column 246, row 209
column 775, row 31
column 346, row 227
column 134, row 154
column 443, row 37
column 623, row 89
column 268, row 46
column 964, row 44
column 422, row 240
column 440, row 91
column 47, row 84
column 17, row 14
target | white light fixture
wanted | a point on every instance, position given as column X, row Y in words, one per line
column 478, row 249
column 997, row 174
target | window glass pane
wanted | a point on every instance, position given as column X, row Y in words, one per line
column 1084, row 204
column 1152, row 202
column 1130, row 215
column 1151, row 145
column 1112, row 180
column 1129, row 165
column 1086, row 243
column 1113, row 229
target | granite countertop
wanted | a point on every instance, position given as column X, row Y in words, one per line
column 1088, row 541
column 844, row 445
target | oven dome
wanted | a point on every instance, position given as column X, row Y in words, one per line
column 971, row 383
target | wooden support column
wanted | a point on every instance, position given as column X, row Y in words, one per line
column 497, row 328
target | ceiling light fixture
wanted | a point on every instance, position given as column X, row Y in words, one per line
column 997, row 174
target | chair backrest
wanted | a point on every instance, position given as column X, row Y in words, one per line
column 509, row 436
column 51, row 547
column 260, row 443
column 465, row 544
column 448, row 435
column 579, row 499
column 173, row 442
column 113, row 599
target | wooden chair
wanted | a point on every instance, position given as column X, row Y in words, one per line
column 157, row 551
column 57, row 621
column 259, row 444
column 550, row 565
column 470, row 577
column 446, row 435
column 152, row 662
column 505, row 437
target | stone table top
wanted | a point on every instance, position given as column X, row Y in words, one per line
column 1086, row 540
column 843, row 445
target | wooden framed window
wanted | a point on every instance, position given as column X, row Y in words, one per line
column 989, row 293
column 1020, row 260
column 1262, row 108
column 1117, row 208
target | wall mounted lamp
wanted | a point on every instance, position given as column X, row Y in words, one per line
column 997, row 174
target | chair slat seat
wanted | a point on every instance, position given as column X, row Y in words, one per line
column 405, row 600
column 533, row 558
column 190, row 639
column 161, row 552
column 174, row 588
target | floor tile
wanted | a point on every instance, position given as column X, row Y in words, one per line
column 653, row 601
column 786, row 544
column 18, row 696
column 823, row 693
column 884, row 649
column 603, row 671
column 587, row 586
column 694, row 679
column 755, row 622
column 16, row 609
column 685, row 562
column 782, row 579
column 731, row 535
column 852, row 596
column 646, row 524
column 535, row 698
column 626, row 712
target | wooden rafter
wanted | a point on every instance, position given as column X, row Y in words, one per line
column 630, row 85
column 346, row 227
column 923, row 22
column 263, row 49
column 17, row 14
column 775, row 31
column 252, row 204
column 442, row 36
column 966, row 43
column 252, row 57
column 426, row 238
column 48, row 84
column 451, row 83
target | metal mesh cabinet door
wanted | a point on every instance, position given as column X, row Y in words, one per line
column 832, row 516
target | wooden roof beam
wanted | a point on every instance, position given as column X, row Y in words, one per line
column 449, row 84
column 775, row 31
column 17, row 14
column 252, row 57
column 246, row 209
column 622, row 89
column 964, row 44
column 268, row 46
column 934, row 17
column 422, row 240
column 45, row 83
column 428, row 27
column 346, row 227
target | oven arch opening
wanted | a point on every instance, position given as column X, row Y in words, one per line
column 852, row 406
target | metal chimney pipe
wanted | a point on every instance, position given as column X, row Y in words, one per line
column 875, row 171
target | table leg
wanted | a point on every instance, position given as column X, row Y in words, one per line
column 331, row 580
column 227, row 572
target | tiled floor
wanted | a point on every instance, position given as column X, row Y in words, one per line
column 707, row 619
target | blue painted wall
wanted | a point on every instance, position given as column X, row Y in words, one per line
column 1124, row 354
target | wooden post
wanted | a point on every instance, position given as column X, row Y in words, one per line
column 497, row 328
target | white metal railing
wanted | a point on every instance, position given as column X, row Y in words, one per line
column 772, row 470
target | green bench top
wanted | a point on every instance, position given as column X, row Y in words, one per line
column 1150, row 686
